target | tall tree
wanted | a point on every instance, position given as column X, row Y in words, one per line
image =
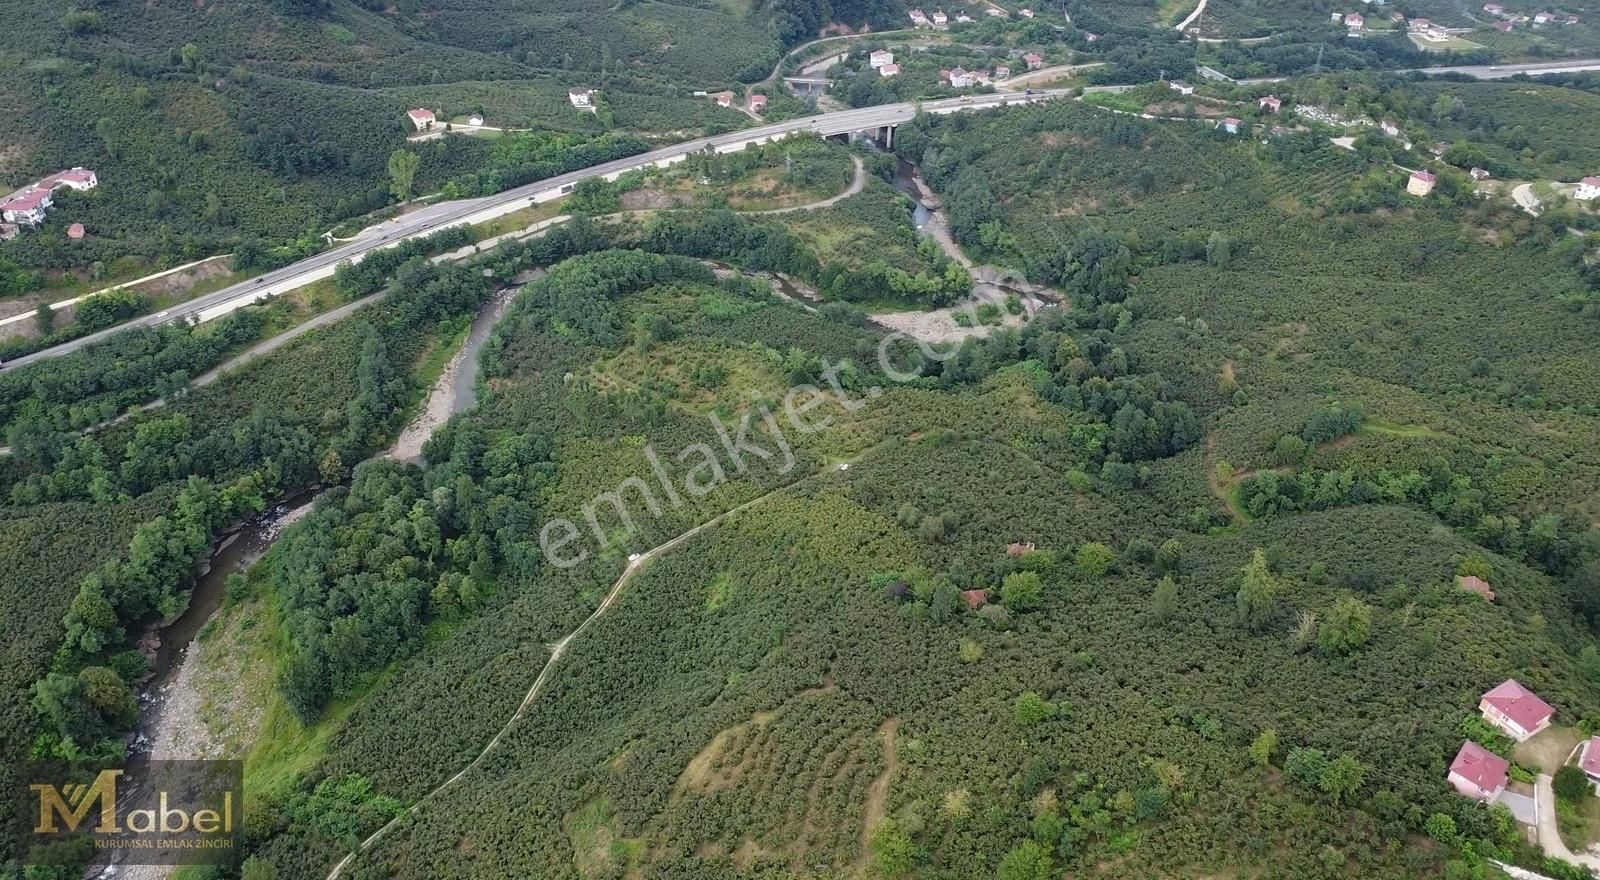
column 1257, row 591
column 402, row 173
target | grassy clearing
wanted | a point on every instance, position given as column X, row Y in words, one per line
column 517, row 219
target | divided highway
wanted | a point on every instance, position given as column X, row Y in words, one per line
column 430, row 220
column 439, row 216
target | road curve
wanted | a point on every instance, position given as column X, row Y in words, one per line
column 454, row 213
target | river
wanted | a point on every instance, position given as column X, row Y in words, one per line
column 172, row 722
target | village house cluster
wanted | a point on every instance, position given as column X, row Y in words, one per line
column 29, row 205
column 1515, row 711
column 1510, row 19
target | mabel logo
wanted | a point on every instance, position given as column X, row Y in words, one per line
column 147, row 812
column 72, row 802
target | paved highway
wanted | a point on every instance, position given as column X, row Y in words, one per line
column 435, row 217
column 439, row 216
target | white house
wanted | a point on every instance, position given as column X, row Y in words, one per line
column 961, row 79
column 1389, row 128
column 880, row 57
column 940, row 19
column 1517, row 711
column 421, row 119
column 1543, row 18
column 1589, row 759
column 1025, row 13
column 1478, row 773
column 581, row 97
column 76, row 177
column 1181, row 87
column 1588, row 189
column 1001, row 71
column 1034, row 60
column 26, row 206
column 1231, row 125
column 1270, row 103
column 1355, row 21
column 475, row 119
column 919, row 18
column 1421, row 183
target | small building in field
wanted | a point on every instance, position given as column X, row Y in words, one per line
column 1479, row 174
column 1589, row 759
column 1588, row 189
column 1336, row 16
column 723, row 99
column 1355, row 21
column 75, row 232
column 1270, row 103
column 1473, row 584
column 1034, row 60
column 1438, row 149
column 1421, row 183
column 421, row 119
column 940, row 19
column 1231, row 125
column 1019, row 548
column 880, row 57
column 1001, row 71
column 475, row 119
column 889, row 70
column 975, row 599
column 919, row 18
column 1494, row 8
column 1515, row 710
column 757, row 103
column 581, row 97
column 1479, row 773
column 1418, row 24
column 1389, row 128
column 1181, row 87
column 1025, row 13
column 1543, row 18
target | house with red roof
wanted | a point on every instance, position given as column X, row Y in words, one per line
column 1001, row 71
column 1503, row 27
column 975, row 599
column 1589, row 759
column 1473, row 584
column 1421, row 183
column 723, row 99
column 1588, row 189
column 1270, row 103
column 75, row 232
column 1034, row 60
column 26, row 206
column 1231, row 124
column 77, row 177
column 919, row 18
column 758, row 103
column 889, row 70
column 1355, row 21
column 1515, row 710
column 880, row 57
column 421, row 119
column 1478, row 773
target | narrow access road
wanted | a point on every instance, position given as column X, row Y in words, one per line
column 557, row 649
column 857, row 184
column 1525, row 199
column 1549, row 837
column 1198, row 11
column 1045, row 74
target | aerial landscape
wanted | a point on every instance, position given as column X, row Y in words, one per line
column 800, row 440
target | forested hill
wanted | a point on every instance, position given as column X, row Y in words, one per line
column 220, row 120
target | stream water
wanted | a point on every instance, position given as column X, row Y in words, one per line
column 242, row 547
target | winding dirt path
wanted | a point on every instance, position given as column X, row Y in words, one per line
column 557, row 649
column 857, row 184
